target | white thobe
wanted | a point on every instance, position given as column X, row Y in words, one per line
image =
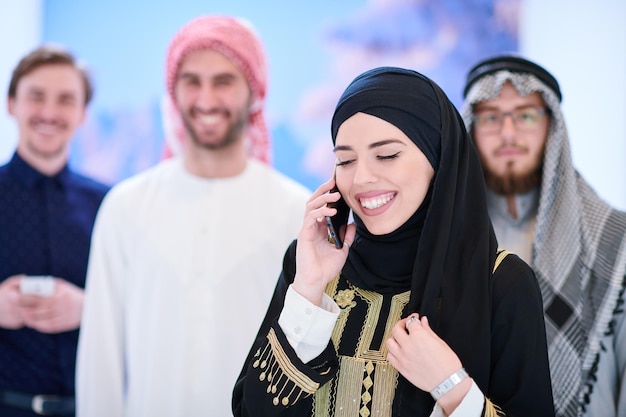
column 180, row 276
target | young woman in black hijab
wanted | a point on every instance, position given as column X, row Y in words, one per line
column 417, row 314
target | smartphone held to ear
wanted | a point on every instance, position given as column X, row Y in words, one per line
column 335, row 222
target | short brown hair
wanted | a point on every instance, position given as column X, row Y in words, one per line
column 49, row 55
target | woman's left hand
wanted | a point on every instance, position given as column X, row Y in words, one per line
column 424, row 359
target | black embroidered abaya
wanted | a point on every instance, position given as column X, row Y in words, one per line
column 439, row 264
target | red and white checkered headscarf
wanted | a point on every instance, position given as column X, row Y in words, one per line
column 236, row 39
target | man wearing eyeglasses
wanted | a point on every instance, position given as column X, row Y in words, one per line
column 542, row 209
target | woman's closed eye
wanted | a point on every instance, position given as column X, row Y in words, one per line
column 344, row 163
column 388, row 157
column 379, row 157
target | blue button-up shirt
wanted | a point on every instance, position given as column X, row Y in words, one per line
column 45, row 229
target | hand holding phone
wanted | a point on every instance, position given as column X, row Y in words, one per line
column 338, row 220
column 41, row 285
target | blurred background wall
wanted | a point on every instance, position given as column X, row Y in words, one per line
column 314, row 50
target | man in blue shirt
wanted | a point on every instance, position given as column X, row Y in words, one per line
column 46, row 218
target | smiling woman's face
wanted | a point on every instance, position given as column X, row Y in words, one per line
column 381, row 173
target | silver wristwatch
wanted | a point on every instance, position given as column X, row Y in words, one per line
column 449, row 383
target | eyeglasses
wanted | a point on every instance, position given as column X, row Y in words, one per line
column 525, row 119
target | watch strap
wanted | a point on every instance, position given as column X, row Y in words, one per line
column 449, row 383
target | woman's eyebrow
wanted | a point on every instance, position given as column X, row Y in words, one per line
column 374, row 145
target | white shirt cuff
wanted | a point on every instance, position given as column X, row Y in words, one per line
column 471, row 405
column 308, row 328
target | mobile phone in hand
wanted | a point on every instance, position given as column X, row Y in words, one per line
column 335, row 222
column 41, row 285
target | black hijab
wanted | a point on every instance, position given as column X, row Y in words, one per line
column 445, row 252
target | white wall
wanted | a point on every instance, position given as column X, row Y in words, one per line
column 583, row 44
column 20, row 31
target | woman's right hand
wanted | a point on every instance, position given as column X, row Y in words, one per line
column 318, row 261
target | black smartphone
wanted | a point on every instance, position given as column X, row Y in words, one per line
column 335, row 222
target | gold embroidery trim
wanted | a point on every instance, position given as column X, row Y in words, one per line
column 300, row 379
column 284, row 380
column 365, row 382
column 501, row 255
column 345, row 301
column 375, row 301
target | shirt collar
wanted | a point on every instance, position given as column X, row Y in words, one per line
column 526, row 205
column 29, row 176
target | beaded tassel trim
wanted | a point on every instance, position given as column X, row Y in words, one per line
column 492, row 410
column 284, row 381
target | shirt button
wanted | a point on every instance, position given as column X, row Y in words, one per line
column 298, row 330
column 308, row 311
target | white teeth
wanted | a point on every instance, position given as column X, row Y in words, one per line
column 209, row 120
column 376, row 202
column 46, row 128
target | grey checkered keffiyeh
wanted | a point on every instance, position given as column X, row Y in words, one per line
column 579, row 253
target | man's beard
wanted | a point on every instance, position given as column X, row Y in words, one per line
column 233, row 134
column 511, row 183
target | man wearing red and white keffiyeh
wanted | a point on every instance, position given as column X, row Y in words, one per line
column 185, row 255
column 237, row 40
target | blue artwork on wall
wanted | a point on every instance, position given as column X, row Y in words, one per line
column 314, row 51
